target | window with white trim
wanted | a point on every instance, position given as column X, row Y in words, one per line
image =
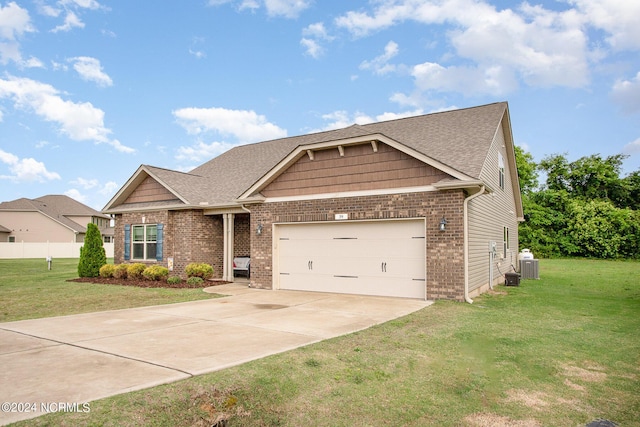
column 144, row 241
column 501, row 170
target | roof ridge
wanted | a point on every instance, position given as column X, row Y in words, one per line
column 435, row 113
column 172, row 170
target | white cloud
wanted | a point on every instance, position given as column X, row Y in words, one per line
column 201, row 150
column 626, row 93
column 312, row 47
column 76, row 195
column 84, row 4
column 284, row 8
column 538, row 46
column 109, row 188
column 90, row 69
column 79, row 121
column 86, row 184
column 380, row 64
column 317, row 31
column 495, row 80
column 14, row 21
column 199, row 54
column 244, row 125
column 619, row 19
column 25, row 170
column 313, row 35
column 341, row 119
column 71, row 21
column 632, row 147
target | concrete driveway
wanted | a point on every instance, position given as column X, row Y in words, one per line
column 60, row 363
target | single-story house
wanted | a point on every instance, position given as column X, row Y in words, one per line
column 51, row 218
column 418, row 207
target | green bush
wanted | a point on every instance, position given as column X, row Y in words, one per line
column 120, row 271
column 92, row 254
column 107, row 270
column 135, row 270
column 155, row 272
column 174, row 280
column 195, row 281
column 199, row 269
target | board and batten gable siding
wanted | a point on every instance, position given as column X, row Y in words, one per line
column 353, row 168
column 150, row 190
column 488, row 215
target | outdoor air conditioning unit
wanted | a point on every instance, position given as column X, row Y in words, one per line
column 529, row 269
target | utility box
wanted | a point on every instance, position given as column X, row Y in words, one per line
column 529, row 269
column 511, row 279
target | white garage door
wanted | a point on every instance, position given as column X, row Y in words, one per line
column 369, row 257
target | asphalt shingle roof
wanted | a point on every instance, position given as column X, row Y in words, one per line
column 459, row 139
column 57, row 207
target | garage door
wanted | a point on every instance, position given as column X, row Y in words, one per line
column 369, row 257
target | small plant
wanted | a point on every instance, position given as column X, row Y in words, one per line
column 199, row 269
column 92, row 254
column 120, row 271
column 155, row 272
column 195, row 281
column 174, row 280
column 135, row 270
column 107, row 270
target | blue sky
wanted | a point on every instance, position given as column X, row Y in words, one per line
column 91, row 89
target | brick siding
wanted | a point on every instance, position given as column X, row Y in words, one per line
column 445, row 250
column 189, row 236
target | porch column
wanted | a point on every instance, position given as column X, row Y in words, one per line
column 227, row 261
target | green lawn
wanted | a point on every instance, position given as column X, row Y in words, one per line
column 560, row 351
column 29, row 290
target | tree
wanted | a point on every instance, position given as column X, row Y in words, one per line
column 92, row 253
column 527, row 171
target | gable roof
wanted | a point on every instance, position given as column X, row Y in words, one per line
column 456, row 140
column 56, row 207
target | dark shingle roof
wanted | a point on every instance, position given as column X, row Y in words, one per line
column 56, row 207
column 459, row 139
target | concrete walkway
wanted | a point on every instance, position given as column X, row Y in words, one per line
column 53, row 363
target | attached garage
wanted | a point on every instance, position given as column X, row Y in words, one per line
column 385, row 257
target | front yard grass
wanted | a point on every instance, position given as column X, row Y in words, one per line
column 28, row 290
column 559, row 351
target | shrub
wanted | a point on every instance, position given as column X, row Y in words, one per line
column 155, row 272
column 135, row 270
column 174, row 280
column 199, row 269
column 195, row 281
column 107, row 270
column 92, row 254
column 120, row 271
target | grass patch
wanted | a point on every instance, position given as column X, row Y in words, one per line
column 28, row 290
column 560, row 351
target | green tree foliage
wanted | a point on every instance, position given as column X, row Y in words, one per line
column 92, row 254
column 584, row 207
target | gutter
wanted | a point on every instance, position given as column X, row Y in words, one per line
column 466, row 241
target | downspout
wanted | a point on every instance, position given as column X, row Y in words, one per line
column 466, row 242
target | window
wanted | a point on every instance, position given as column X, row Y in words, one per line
column 501, row 170
column 12, row 239
column 505, row 246
column 145, row 238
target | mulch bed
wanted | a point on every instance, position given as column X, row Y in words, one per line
column 141, row 283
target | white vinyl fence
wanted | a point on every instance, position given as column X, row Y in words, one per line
column 43, row 250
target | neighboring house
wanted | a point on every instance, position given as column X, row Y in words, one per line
column 52, row 218
column 419, row 207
